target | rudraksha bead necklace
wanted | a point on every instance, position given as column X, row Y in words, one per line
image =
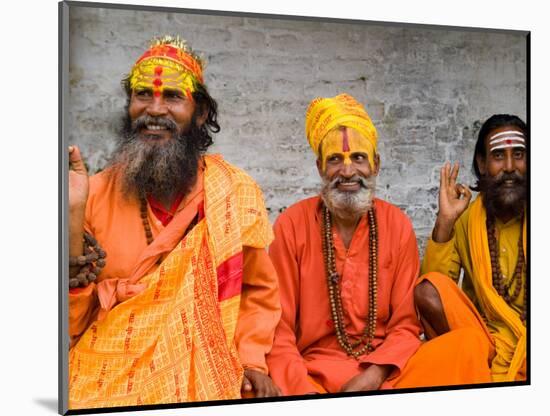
column 145, row 221
column 505, row 289
column 333, row 283
column 91, row 262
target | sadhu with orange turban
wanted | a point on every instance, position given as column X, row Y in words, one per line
column 172, row 295
column 347, row 264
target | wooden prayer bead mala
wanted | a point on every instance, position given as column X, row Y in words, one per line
column 505, row 289
column 91, row 262
column 145, row 221
column 333, row 283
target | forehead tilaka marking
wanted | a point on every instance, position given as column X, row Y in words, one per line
column 345, row 142
column 506, row 139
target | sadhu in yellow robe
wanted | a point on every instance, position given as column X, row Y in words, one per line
column 480, row 305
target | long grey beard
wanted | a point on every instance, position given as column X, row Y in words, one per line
column 159, row 169
column 349, row 205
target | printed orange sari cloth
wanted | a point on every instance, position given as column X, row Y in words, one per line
column 174, row 341
column 115, row 221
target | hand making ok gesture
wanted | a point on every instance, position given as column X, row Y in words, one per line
column 454, row 198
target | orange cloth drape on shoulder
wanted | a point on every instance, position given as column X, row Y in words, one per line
column 116, row 223
column 511, row 335
column 175, row 339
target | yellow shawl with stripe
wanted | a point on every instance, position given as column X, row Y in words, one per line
column 174, row 341
column 508, row 330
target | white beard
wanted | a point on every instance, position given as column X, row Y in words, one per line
column 345, row 204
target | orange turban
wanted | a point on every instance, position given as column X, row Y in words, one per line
column 326, row 114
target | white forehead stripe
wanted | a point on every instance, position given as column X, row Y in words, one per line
column 506, row 138
column 507, row 132
column 504, row 146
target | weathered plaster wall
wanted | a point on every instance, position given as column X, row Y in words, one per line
column 427, row 91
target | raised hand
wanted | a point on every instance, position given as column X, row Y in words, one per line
column 78, row 179
column 453, row 200
column 78, row 196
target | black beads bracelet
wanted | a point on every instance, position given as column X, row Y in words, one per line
column 91, row 263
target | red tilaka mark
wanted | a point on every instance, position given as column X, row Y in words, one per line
column 158, row 71
column 345, row 144
column 157, row 82
column 508, row 141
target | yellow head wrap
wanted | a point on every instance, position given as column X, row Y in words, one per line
column 169, row 62
column 326, row 114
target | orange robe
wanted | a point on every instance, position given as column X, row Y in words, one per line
column 116, row 223
column 306, row 356
column 305, row 343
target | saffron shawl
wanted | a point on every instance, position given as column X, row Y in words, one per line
column 504, row 322
column 173, row 341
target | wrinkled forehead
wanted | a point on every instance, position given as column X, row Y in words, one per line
column 344, row 140
column 505, row 137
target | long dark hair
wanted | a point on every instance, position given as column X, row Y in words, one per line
column 493, row 122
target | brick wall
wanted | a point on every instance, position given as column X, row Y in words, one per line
column 427, row 91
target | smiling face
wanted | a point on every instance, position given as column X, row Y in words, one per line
column 505, row 152
column 345, row 153
column 349, row 179
column 503, row 171
column 159, row 152
column 161, row 103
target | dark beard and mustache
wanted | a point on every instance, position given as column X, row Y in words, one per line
column 149, row 167
column 345, row 204
column 499, row 199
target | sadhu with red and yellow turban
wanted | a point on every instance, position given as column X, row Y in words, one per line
column 169, row 62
